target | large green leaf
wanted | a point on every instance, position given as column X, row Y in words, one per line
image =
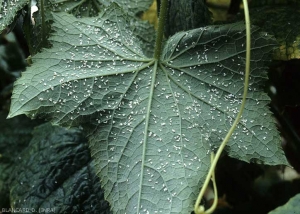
column 291, row 207
column 206, row 67
column 15, row 135
column 56, row 172
column 152, row 123
column 9, row 10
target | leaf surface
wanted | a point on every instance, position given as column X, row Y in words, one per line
column 79, row 8
column 37, row 34
column 145, row 32
column 9, row 10
column 291, row 207
column 152, row 123
column 56, row 172
column 132, row 6
column 206, row 66
column 15, row 135
column 84, row 8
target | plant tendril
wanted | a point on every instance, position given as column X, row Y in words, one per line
column 198, row 209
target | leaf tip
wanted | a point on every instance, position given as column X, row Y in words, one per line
column 11, row 115
column 13, row 112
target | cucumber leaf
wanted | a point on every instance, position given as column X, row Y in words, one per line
column 55, row 173
column 152, row 123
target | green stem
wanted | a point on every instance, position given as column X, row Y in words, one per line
column 200, row 209
column 43, row 31
column 213, row 178
column 160, row 29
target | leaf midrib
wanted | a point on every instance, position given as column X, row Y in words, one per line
column 147, row 118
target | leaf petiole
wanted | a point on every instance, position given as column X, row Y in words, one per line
column 160, row 29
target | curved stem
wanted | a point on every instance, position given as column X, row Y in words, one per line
column 213, row 178
column 199, row 209
column 160, row 29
